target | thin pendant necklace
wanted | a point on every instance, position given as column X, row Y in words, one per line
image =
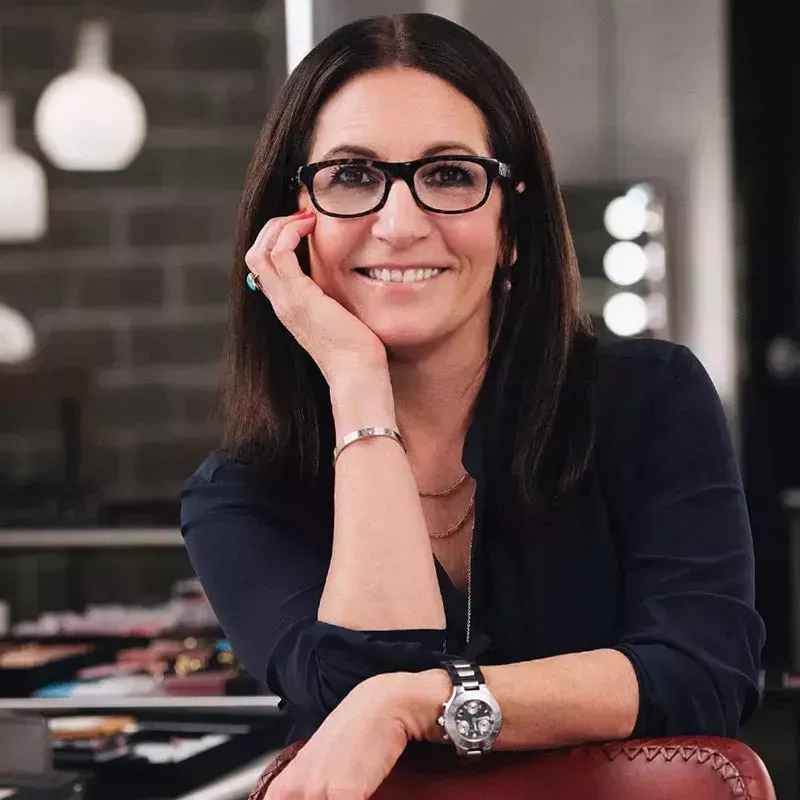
column 453, row 530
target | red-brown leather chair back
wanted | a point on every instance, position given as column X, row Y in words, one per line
column 682, row 768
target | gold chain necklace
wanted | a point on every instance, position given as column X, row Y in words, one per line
column 460, row 524
column 447, row 491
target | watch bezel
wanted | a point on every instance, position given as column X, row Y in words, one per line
column 458, row 698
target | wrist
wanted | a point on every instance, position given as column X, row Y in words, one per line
column 362, row 399
column 424, row 695
column 415, row 699
column 346, row 376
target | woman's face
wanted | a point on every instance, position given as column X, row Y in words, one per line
column 402, row 114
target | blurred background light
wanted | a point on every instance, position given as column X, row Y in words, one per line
column 626, row 314
column 654, row 221
column 91, row 119
column 656, row 261
column 657, row 310
column 625, row 263
column 17, row 337
column 23, row 186
column 641, row 193
column 626, row 217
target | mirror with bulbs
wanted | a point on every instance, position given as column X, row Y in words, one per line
column 620, row 241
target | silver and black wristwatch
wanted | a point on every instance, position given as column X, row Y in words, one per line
column 471, row 719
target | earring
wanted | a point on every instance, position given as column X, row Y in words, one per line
column 505, row 284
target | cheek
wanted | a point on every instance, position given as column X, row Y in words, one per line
column 475, row 239
column 330, row 245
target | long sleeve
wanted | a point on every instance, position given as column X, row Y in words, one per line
column 262, row 557
column 689, row 626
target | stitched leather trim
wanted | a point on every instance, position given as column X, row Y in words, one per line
column 274, row 768
column 705, row 753
column 718, row 761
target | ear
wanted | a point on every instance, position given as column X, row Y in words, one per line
column 519, row 189
column 514, row 257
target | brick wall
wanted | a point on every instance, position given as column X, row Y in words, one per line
column 130, row 281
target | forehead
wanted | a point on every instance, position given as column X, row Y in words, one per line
column 398, row 112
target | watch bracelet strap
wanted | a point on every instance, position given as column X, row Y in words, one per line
column 464, row 674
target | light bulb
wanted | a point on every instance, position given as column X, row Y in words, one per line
column 641, row 193
column 91, row 119
column 656, row 261
column 17, row 337
column 625, row 263
column 626, row 314
column 23, row 186
column 625, row 217
column 657, row 311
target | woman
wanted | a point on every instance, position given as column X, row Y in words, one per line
column 570, row 518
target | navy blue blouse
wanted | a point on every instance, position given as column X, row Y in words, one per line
column 653, row 557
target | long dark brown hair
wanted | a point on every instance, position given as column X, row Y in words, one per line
column 275, row 402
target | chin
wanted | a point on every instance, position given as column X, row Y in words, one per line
column 408, row 339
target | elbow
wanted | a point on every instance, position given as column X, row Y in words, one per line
column 716, row 708
column 680, row 695
column 728, row 703
column 727, row 696
column 308, row 685
column 313, row 666
column 304, row 675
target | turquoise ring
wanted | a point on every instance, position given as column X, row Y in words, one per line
column 252, row 282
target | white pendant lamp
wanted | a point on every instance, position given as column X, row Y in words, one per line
column 17, row 337
column 23, row 186
column 91, row 119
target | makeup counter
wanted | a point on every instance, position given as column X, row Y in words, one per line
column 121, row 699
column 136, row 700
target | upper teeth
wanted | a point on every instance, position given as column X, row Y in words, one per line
column 402, row 276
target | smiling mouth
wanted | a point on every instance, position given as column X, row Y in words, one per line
column 405, row 276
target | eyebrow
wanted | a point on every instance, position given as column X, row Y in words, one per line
column 365, row 152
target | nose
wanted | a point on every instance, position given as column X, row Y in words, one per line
column 401, row 222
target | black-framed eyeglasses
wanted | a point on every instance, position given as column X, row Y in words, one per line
column 355, row 187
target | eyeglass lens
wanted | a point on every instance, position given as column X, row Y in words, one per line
column 440, row 185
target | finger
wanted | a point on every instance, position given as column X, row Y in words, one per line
column 271, row 224
column 268, row 231
column 283, row 255
column 271, row 236
column 286, row 287
column 257, row 257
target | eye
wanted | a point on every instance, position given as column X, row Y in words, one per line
column 444, row 175
column 353, row 175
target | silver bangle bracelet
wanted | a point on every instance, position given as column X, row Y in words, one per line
column 366, row 433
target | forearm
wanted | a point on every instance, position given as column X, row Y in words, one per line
column 382, row 574
column 552, row 702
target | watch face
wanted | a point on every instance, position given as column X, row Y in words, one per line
column 474, row 720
